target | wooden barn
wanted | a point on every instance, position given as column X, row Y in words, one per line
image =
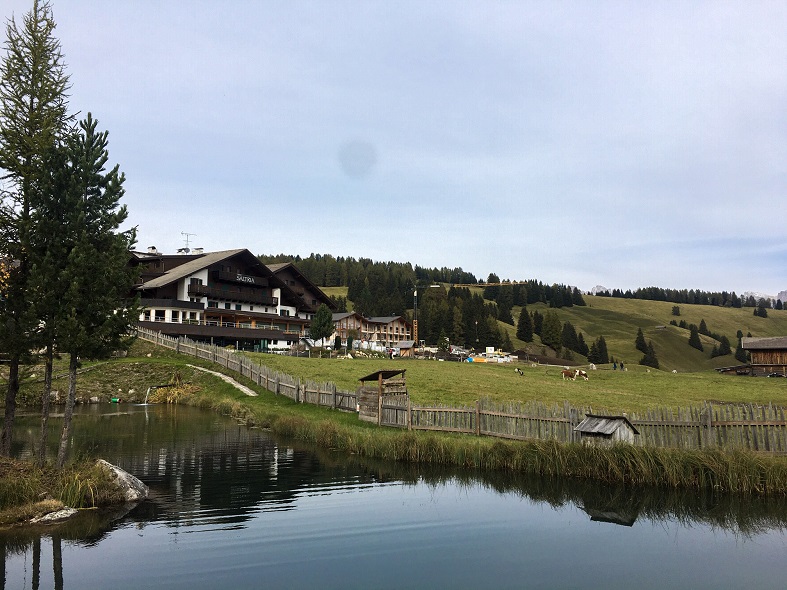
column 768, row 355
column 606, row 430
column 376, row 386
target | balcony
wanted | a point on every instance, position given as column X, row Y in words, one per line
column 238, row 278
column 232, row 295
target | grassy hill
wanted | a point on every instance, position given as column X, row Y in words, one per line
column 618, row 320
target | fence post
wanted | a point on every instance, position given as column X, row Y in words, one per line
column 710, row 440
column 409, row 413
column 333, row 388
column 297, row 390
column 478, row 417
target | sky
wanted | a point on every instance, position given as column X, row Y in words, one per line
column 625, row 144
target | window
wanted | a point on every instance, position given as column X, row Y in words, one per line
column 195, row 281
column 251, row 308
column 176, row 317
column 227, row 306
column 159, row 315
column 285, row 313
column 238, row 307
column 146, row 315
column 213, row 304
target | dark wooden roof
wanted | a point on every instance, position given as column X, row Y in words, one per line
column 387, row 374
column 778, row 343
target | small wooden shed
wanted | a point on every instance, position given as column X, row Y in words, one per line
column 768, row 355
column 374, row 387
column 606, row 430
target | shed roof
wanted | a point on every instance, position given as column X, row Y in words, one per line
column 778, row 343
column 593, row 424
column 387, row 374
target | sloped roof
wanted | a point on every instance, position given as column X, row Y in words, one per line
column 385, row 319
column 280, row 266
column 387, row 374
column 593, row 424
column 191, row 267
column 778, row 343
column 346, row 314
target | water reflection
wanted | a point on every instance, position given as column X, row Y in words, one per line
column 211, row 476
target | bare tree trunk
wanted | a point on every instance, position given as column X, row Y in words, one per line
column 10, row 406
column 45, row 396
column 65, row 436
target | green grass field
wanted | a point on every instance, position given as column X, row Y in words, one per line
column 462, row 383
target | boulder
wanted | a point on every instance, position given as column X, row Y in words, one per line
column 133, row 489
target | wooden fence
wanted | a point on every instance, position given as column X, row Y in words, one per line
column 321, row 394
column 713, row 425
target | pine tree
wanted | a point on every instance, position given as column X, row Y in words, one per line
column 538, row 322
column 639, row 342
column 551, row 331
column 649, row 359
column 703, row 329
column 96, row 313
column 568, row 337
column 524, row 327
column 33, row 118
column 694, row 339
column 724, row 346
column 582, row 347
column 603, row 355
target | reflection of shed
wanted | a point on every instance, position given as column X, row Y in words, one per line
column 374, row 387
column 606, row 429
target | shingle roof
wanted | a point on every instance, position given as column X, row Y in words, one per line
column 778, row 343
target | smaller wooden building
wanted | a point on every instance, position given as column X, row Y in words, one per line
column 768, row 355
column 374, row 387
column 606, row 430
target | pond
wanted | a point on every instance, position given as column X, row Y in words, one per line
column 234, row 507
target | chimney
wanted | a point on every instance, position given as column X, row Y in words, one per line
column 152, row 250
column 198, row 250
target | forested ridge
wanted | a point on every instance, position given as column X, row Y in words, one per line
column 451, row 312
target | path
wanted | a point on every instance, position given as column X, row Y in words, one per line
column 229, row 380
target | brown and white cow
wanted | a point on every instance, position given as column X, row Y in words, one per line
column 583, row 374
column 569, row 374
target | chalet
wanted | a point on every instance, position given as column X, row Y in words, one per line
column 377, row 333
column 226, row 298
column 768, row 355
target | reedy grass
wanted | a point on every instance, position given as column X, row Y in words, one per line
column 710, row 469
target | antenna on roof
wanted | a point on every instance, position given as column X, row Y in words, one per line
column 186, row 249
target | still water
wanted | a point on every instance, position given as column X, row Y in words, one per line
column 235, row 508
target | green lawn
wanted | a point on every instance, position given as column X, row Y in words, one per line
column 462, row 383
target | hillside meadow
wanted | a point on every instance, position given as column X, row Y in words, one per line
column 452, row 383
column 618, row 319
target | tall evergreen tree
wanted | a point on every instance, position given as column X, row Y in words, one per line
column 96, row 313
column 551, row 332
column 694, row 339
column 33, row 118
column 524, row 327
column 649, row 359
column 639, row 342
column 603, row 354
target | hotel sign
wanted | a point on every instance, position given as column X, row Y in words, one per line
column 245, row 279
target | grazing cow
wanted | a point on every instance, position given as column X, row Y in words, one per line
column 518, row 371
column 569, row 374
column 583, row 374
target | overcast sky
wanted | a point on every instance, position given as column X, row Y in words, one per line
column 626, row 144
